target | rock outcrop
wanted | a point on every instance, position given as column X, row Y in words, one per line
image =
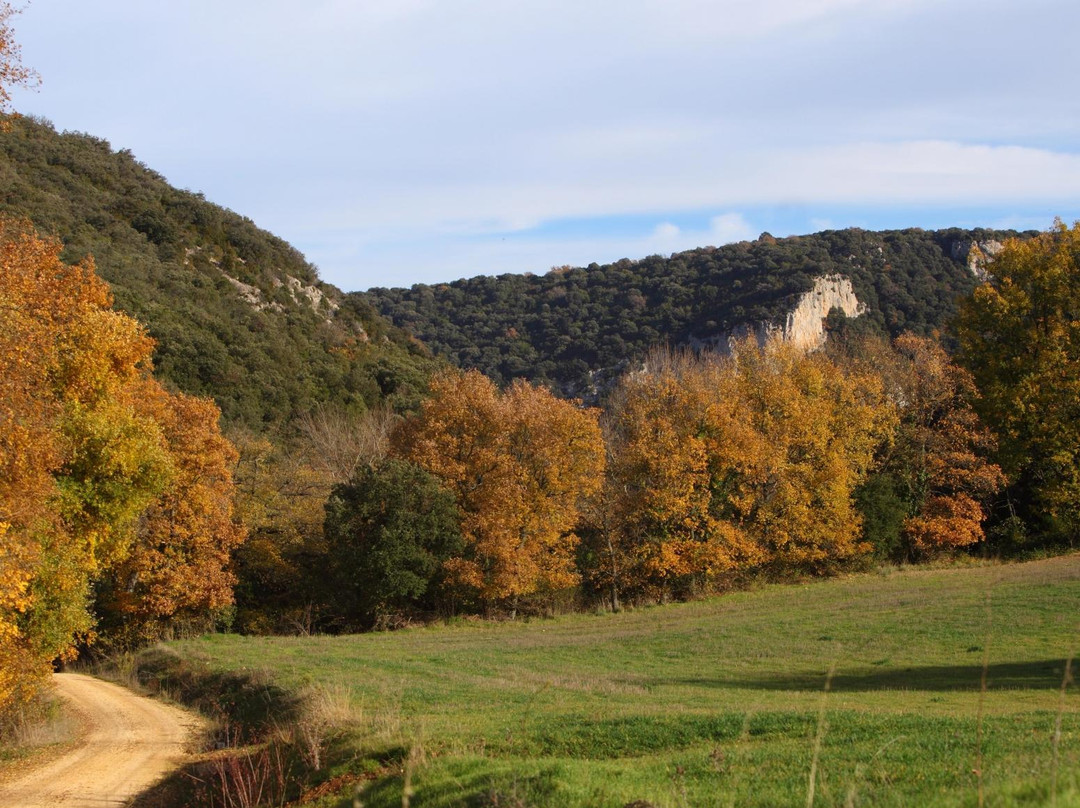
column 804, row 325
column 976, row 254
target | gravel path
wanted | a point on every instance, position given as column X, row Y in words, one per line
column 130, row 743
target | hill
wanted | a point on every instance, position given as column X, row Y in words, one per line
column 237, row 313
column 566, row 326
column 896, row 688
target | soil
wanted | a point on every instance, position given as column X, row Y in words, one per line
column 130, row 742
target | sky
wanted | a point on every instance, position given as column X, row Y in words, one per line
column 419, row 141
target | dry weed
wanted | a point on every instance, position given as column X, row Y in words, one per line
column 326, row 712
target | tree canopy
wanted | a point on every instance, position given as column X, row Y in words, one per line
column 577, row 329
column 1020, row 337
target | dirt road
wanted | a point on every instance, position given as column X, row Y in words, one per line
column 130, row 743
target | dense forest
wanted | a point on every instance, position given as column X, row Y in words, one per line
column 237, row 313
column 561, row 327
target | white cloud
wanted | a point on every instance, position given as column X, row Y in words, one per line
column 398, row 130
column 927, row 172
column 729, row 227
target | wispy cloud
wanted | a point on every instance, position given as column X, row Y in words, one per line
column 414, row 136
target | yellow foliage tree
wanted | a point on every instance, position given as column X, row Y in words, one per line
column 78, row 463
column 723, row 463
column 1020, row 338
column 680, row 454
column 88, row 441
column 820, row 426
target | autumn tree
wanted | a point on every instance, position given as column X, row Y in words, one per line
column 1020, row 338
column 12, row 71
column 519, row 463
column 726, row 463
column 80, row 461
column 820, row 425
column 675, row 439
column 178, row 572
column 29, row 447
column 941, row 450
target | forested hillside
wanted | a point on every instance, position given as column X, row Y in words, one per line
column 237, row 313
column 558, row 327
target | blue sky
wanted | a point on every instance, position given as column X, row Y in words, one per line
column 406, row 141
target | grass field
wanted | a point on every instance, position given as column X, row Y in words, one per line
column 906, row 688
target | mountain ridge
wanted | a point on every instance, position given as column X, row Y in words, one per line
column 566, row 326
column 238, row 314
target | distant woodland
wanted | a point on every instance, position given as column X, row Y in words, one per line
column 560, row 327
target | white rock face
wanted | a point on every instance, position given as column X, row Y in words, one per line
column 252, row 295
column 804, row 325
column 977, row 254
column 312, row 294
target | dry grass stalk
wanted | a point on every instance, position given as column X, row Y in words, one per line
column 1066, row 680
column 326, row 711
column 819, row 737
column 248, row 780
column 982, row 700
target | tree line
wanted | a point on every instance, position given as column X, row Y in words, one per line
column 700, row 469
column 116, row 496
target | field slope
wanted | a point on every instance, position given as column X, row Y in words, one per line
column 946, row 688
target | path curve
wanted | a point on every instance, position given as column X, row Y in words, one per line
column 130, row 743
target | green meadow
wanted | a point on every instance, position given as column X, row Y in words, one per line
column 900, row 688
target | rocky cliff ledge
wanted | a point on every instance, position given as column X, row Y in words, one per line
column 976, row 254
column 804, row 325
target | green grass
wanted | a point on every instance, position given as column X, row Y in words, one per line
column 720, row 702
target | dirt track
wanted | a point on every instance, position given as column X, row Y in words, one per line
column 130, row 742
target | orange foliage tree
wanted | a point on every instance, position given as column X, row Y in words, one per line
column 80, row 463
column 178, row 571
column 679, row 452
column 84, row 451
column 520, row 464
column 941, row 450
column 29, row 448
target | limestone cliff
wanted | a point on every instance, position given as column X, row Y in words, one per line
column 804, row 324
column 976, row 254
